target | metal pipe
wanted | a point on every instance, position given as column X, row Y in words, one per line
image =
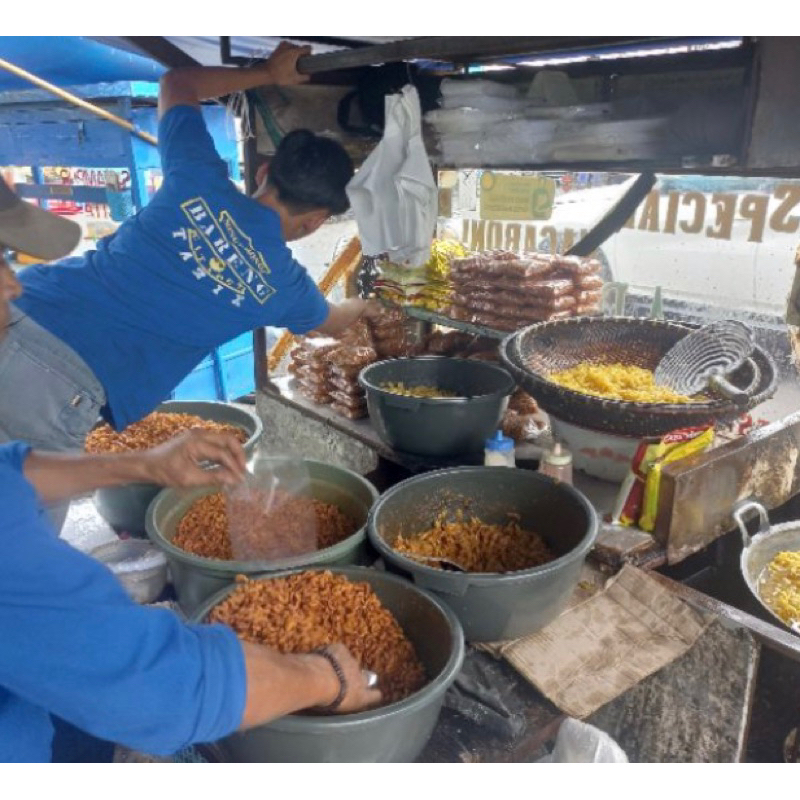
column 78, row 101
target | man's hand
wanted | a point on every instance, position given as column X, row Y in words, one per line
column 177, row 462
column 279, row 684
column 344, row 315
column 357, row 696
column 373, row 309
column 281, row 66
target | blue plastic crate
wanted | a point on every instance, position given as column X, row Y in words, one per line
column 225, row 374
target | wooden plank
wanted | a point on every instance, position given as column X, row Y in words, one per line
column 699, row 493
column 616, row 545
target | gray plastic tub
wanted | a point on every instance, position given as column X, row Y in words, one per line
column 492, row 606
column 394, row 733
column 125, row 507
column 437, row 426
column 196, row 578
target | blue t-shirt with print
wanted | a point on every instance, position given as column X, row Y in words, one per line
column 201, row 264
column 72, row 643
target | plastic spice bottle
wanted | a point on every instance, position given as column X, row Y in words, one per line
column 557, row 463
column 499, row 451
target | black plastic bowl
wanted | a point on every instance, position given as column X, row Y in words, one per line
column 437, row 426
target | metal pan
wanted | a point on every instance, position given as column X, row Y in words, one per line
column 760, row 549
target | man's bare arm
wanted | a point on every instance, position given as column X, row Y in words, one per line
column 344, row 315
column 60, row 476
column 187, row 86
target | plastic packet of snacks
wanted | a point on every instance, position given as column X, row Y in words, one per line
column 637, row 502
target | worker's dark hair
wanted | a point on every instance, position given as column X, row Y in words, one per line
column 311, row 172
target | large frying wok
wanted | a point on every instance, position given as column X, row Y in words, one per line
column 760, row 549
column 532, row 353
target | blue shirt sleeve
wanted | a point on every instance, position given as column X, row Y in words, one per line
column 184, row 143
column 76, row 645
column 14, row 454
column 305, row 306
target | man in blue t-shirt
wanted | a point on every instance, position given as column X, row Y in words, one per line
column 115, row 330
column 75, row 645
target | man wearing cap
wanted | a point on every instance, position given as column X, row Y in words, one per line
column 114, row 331
column 74, row 645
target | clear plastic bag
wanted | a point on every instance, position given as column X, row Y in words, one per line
column 271, row 515
column 580, row 743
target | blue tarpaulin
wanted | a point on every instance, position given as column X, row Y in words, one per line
column 72, row 60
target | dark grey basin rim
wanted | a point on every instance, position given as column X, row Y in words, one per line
column 217, row 565
column 364, row 381
column 168, row 408
column 342, row 722
column 482, row 578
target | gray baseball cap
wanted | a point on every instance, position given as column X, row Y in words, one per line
column 34, row 231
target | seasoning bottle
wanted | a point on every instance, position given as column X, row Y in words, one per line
column 557, row 463
column 499, row 451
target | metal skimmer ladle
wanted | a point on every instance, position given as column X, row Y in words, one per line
column 438, row 560
column 702, row 358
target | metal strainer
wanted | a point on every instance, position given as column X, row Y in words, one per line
column 702, row 359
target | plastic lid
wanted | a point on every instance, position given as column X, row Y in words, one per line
column 500, row 443
column 559, row 456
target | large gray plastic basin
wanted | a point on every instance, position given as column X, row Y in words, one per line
column 491, row 606
column 394, row 733
column 125, row 507
column 195, row 578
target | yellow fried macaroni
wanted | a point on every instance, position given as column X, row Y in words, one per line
column 616, row 382
column 779, row 587
column 416, row 391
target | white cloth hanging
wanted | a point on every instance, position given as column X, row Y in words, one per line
column 394, row 194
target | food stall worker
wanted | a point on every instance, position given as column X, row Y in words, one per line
column 76, row 646
column 115, row 330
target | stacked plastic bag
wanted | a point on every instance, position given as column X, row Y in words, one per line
column 485, row 123
column 428, row 286
column 326, row 370
column 505, row 291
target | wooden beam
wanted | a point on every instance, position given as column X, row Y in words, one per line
column 463, row 49
column 162, row 50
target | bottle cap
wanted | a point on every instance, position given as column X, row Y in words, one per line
column 500, row 443
column 558, row 456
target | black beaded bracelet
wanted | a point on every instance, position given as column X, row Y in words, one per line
column 337, row 668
